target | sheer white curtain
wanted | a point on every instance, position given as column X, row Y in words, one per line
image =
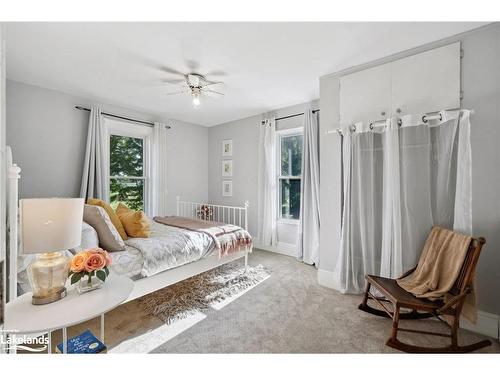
column 158, row 185
column 399, row 181
column 308, row 238
column 267, row 181
column 95, row 173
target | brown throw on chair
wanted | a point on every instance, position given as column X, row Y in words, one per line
column 437, row 287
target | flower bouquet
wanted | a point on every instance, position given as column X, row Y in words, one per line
column 92, row 263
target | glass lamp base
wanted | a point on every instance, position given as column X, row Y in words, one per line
column 54, row 296
column 47, row 276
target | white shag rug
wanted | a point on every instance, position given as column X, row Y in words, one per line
column 212, row 289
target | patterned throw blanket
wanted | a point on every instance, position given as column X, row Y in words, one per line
column 228, row 238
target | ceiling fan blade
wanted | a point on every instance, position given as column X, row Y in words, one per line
column 177, row 92
column 216, row 73
column 212, row 83
column 169, row 70
column 211, row 92
column 177, row 82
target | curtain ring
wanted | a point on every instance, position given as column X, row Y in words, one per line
column 440, row 116
column 400, row 122
column 371, row 125
column 424, row 119
column 353, row 128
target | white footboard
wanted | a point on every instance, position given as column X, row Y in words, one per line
column 205, row 211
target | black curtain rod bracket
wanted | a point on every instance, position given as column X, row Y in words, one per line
column 122, row 117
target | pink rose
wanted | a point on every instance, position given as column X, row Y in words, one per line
column 95, row 261
column 108, row 258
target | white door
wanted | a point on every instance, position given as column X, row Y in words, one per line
column 365, row 95
column 428, row 81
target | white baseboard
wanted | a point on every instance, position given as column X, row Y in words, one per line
column 487, row 323
column 280, row 248
column 326, row 278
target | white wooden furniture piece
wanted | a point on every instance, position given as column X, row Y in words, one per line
column 22, row 317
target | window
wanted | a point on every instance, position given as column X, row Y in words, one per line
column 290, row 173
column 128, row 163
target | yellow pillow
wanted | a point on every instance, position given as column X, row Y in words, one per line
column 112, row 215
column 136, row 223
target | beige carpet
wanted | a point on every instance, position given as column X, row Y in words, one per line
column 287, row 313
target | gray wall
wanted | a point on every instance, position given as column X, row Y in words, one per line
column 47, row 135
column 245, row 136
column 481, row 87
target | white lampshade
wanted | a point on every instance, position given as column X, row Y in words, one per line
column 50, row 224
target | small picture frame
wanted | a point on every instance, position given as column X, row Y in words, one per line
column 227, row 188
column 227, row 168
column 227, row 147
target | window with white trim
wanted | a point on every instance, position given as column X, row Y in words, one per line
column 290, row 145
column 128, row 156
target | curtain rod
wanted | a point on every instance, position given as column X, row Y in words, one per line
column 426, row 117
column 290, row 116
column 122, row 117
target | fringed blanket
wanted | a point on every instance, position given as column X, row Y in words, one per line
column 438, row 268
column 228, row 238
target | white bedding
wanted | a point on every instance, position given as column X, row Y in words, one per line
column 166, row 248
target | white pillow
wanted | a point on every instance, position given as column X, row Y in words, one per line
column 109, row 238
column 90, row 239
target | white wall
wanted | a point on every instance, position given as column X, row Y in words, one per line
column 481, row 92
column 245, row 136
column 48, row 136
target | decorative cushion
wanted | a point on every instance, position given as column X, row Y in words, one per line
column 109, row 238
column 90, row 239
column 112, row 215
column 136, row 223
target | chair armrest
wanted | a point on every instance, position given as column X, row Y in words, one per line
column 453, row 301
column 407, row 272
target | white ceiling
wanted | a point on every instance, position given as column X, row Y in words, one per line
column 265, row 65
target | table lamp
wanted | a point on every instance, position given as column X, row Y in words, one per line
column 48, row 226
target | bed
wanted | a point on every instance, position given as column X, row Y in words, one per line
column 169, row 255
column 182, row 253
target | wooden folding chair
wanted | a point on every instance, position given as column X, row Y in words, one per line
column 421, row 308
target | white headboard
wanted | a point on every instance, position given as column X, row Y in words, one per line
column 13, row 174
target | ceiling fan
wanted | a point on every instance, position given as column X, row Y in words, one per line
column 197, row 85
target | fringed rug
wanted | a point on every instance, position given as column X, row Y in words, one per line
column 202, row 291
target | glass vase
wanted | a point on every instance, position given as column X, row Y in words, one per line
column 88, row 283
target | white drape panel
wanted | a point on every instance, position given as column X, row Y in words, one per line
column 399, row 181
column 308, row 236
column 95, row 172
column 158, row 185
column 267, row 181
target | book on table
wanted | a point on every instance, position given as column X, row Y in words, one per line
column 84, row 343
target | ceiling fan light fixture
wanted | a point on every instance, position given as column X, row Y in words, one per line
column 196, row 98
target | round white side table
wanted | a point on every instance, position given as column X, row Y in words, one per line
column 22, row 317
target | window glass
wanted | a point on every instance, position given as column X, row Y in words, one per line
column 126, row 164
column 126, row 156
column 289, row 180
column 291, row 155
column 290, row 198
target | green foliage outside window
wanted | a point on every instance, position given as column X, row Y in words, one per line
column 291, row 166
column 126, row 160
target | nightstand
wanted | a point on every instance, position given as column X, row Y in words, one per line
column 22, row 317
